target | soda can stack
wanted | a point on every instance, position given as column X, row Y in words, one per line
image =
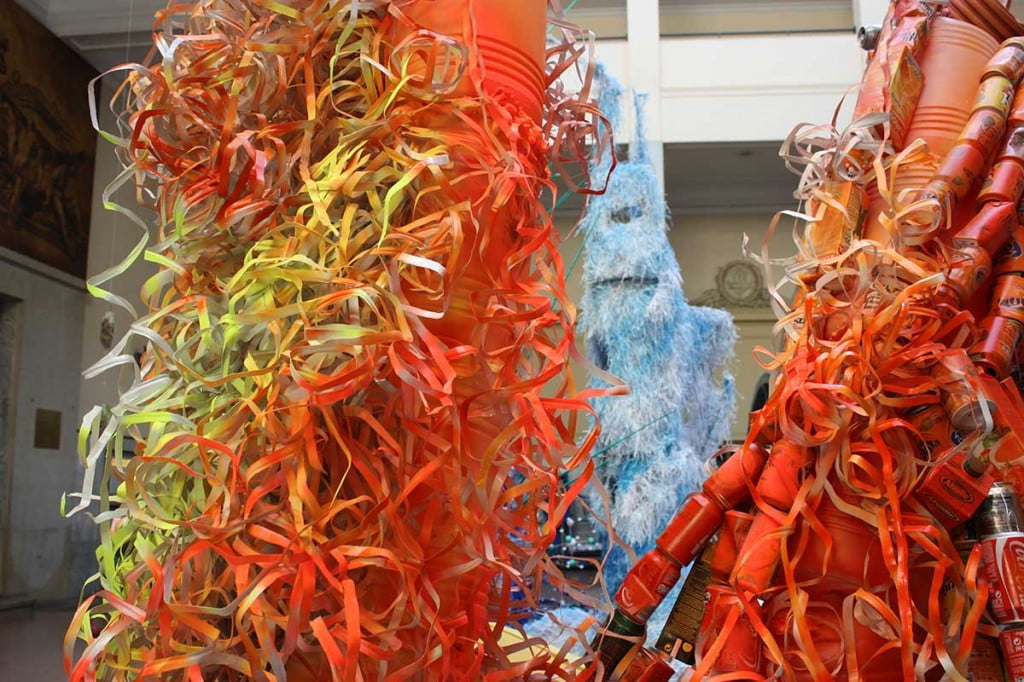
column 986, row 661
column 1003, row 329
column 998, row 525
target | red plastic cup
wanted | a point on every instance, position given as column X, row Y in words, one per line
column 510, row 41
column 742, row 650
column 856, row 557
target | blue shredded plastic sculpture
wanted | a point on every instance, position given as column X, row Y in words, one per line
column 674, row 357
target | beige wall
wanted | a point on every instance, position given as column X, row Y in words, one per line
column 48, row 323
column 703, row 244
column 718, row 17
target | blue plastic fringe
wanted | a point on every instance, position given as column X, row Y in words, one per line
column 674, row 357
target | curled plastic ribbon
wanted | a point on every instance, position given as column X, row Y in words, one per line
column 355, row 408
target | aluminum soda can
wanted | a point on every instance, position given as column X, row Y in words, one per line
column 1010, row 260
column 1011, row 640
column 1004, row 183
column 969, row 267
column 995, row 351
column 998, row 521
column 1008, row 298
column 1006, row 63
column 989, row 229
column 937, row 433
column 962, row 168
column 986, row 661
column 995, row 94
column 961, row 401
column 1000, row 513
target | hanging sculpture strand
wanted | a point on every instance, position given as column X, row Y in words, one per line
column 355, row 406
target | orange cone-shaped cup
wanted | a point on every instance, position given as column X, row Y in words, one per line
column 952, row 64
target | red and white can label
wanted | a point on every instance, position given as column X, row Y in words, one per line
column 1002, row 559
column 985, row 663
column 1012, row 642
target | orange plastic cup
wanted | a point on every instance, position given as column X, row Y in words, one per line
column 742, row 651
column 856, row 557
column 912, row 177
column 510, row 38
column 824, row 618
column 953, row 62
column 463, row 49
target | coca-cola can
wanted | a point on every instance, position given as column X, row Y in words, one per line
column 1002, row 559
column 1011, row 640
column 998, row 522
column 985, row 663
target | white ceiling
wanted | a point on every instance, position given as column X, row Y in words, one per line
column 104, row 31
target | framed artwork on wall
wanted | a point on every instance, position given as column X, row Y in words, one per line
column 47, row 147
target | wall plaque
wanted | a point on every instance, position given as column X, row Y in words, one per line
column 47, row 429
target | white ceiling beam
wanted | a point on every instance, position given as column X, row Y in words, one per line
column 37, row 8
column 644, row 44
column 755, row 7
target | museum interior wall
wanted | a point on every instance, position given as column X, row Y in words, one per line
column 46, row 556
column 55, row 329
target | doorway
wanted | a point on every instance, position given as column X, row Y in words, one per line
column 9, row 309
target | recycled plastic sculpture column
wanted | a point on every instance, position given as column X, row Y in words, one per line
column 849, row 553
column 355, row 406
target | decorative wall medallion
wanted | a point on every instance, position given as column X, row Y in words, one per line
column 107, row 330
column 738, row 284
